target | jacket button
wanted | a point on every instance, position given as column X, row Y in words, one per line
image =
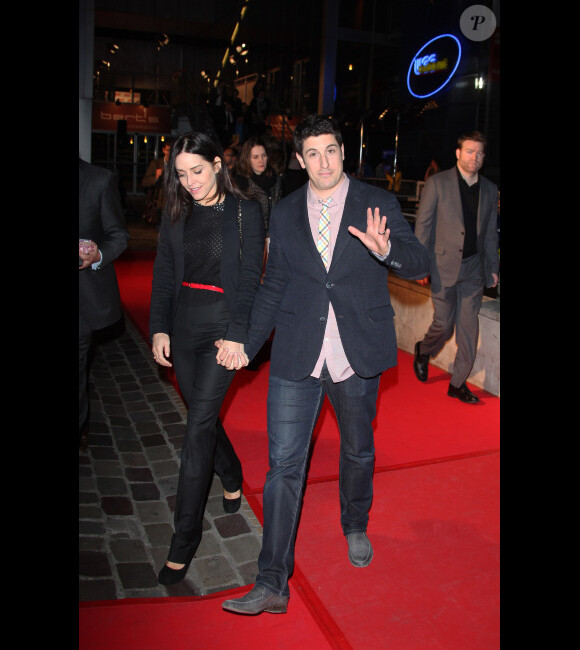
column 322, row 319
column 328, row 285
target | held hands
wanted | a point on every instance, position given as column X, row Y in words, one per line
column 161, row 349
column 231, row 355
column 376, row 237
column 88, row 253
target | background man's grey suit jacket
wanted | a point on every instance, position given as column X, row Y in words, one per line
column 440, row 228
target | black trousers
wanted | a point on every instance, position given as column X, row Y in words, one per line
column 85, row 340
column 206, row 447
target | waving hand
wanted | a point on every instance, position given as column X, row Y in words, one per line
column 376, row 237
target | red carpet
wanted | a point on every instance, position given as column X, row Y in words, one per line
column 188, row 624
column 134, row 273
column 434, row 579
column 415, row 423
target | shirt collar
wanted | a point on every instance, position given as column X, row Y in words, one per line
column 461, row 178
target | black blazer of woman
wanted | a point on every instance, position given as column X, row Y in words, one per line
column 240, row 278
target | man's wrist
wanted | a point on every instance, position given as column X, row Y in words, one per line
column 95, row 265
column 383, row 257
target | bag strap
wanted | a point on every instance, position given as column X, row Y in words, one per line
column 240, row 226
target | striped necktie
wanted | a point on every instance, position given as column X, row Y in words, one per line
column 323, row 243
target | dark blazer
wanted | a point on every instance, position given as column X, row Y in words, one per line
column 239, row 279
column 101, row 219
column 295, row 295
column 441, row 229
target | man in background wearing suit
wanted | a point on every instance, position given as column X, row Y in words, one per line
column 102, row 227
column 457, row 224
column 325, row 293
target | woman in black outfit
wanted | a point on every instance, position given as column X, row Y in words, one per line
column 205, row 276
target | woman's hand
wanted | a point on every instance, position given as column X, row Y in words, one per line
column 161, row 349
column 231, row 355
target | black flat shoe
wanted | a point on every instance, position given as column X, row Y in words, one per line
column 169, row 576
column 232, row 505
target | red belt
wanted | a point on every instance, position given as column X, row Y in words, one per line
column 209, row 287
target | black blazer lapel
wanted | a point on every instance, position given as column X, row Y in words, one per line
column 351, row 216
column 299, row 208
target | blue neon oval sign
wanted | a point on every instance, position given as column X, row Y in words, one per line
column 433, row 66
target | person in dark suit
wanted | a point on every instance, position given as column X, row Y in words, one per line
column 457, row 224
column 205, row 276
column 102, row 238
column 325, row 292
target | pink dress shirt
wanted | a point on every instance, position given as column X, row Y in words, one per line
column 332, row 351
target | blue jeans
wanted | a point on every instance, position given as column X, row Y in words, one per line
column 293, row 409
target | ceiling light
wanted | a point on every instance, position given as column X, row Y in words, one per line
column 162, row 41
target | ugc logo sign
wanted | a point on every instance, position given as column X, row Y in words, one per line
column 433, row 66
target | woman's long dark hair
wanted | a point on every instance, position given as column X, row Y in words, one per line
column 177, row 198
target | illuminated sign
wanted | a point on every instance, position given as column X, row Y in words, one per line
column 433, row 66
column 429, row 63
column 140, row 119
column 127, row 97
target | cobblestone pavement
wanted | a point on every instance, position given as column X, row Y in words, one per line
column 127, row 485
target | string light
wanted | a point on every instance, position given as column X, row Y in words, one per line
column 232, row 40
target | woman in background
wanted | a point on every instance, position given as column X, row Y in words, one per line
column 258, row 179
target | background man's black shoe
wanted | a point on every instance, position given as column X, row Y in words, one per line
column 420, row 363
column 463, row 393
